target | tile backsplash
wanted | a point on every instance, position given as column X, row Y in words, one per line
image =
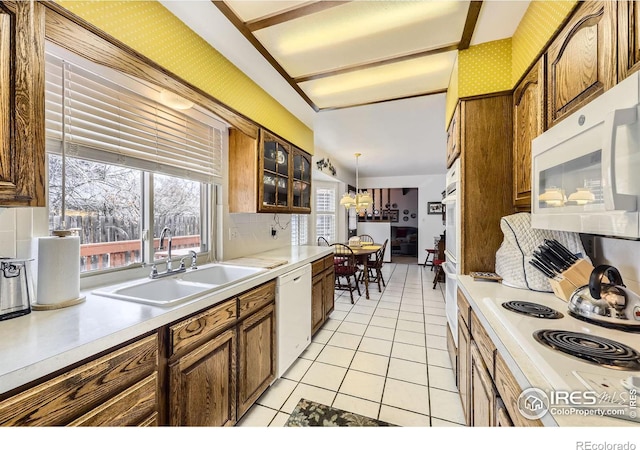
column 18, row 227
column 623, row 255
column 246, row 234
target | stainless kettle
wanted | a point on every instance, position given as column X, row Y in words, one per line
column 15, row 288
column 609, row 304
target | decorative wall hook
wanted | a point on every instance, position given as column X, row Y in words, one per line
column 324, row 163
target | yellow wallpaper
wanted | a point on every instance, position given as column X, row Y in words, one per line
column 150, row 29
column 485, row 68
column 541, row 20
column 496, row 66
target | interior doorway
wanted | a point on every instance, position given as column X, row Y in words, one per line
column 396, row 209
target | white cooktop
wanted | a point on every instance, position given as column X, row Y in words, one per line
column 609, row 389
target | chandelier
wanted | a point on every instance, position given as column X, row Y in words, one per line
column 361, row 200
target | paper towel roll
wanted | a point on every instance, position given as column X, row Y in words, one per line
column 58, row 269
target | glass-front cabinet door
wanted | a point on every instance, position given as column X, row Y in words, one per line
column 275, row 175
column 301, row 181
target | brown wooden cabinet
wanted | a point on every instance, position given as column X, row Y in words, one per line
column 222, row 359
column 268, row 175
column 322, row 291
column 453, row 137
column 22, row 139
column 482, row 392
column 628, row 38
column 203, row 384
column 117, row 389
column 487, row 387
column 486, row 169
column 528, row 122
column 256, row 356
column 581, row 61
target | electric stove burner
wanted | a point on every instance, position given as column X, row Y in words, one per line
column 532, row 309
column 594, row 349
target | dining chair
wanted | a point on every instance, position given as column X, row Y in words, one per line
column 345, row 267
column 322, row 242
column 366, row 239
column 375, row 266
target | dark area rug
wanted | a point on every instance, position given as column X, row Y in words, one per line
column 312, row 414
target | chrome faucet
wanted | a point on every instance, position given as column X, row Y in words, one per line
column 163, row 233
column 194, row 256
column 166, row 232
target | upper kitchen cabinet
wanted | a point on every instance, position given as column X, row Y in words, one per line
column 267, row 175
column 528, row 122
column 22, row 159
column 484, row 195
column 581, row 61
column 453, row 137
column 628, row 38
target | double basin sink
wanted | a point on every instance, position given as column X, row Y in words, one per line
column 180, row 287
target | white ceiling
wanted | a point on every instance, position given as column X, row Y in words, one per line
column 396, row 138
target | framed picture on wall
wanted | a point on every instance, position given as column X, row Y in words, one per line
column 434, row 208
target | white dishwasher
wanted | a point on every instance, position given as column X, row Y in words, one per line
column 293, row 315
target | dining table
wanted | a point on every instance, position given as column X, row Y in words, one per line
column 362, row 253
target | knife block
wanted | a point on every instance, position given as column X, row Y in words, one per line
column 571, row 279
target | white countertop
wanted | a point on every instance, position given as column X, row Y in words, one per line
column 522, row 358
column 42, row 342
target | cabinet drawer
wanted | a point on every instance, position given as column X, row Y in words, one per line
column 192, row 330
column 509, row 391
column 134, row 406
column 484, row 343
column 68, row 396
column 463, row 308
column 328, row 262
column 253, row 300
column 317, row 267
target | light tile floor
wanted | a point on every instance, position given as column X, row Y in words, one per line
column 385, row 358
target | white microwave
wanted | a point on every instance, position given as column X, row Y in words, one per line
column 586, row 169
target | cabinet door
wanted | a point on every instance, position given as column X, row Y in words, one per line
column 453, row 137
column 203, row 384
column 257, row 356
column 528, row 112
column 581, row 61
column 464, row 367
column 317, row 302
column 502, row 418
column 274, row 177
column 22, row 141
column 328, row 282
column 301, row 187
column 481, row 388
column 628, row 38
column 66, row 397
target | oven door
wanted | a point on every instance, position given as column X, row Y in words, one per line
column 450, row 301
column 451, row 227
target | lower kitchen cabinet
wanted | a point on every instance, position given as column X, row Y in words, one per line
column 482, row 391
column 117, row 389
column 322, row 291
column 203, row 384
column 257, row 356
column 488, row 389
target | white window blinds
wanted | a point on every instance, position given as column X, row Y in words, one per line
column 325, row 213
column 299, row 229
column 102, row 120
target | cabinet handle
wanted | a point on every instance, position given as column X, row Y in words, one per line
column 612, row 200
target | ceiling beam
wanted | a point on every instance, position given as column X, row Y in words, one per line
column 240, row 25
column 369, row 65
column 334, row 108
column 470, row 24
column 291, row 14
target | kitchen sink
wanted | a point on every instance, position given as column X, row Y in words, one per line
column 180, row 287
column 219, row 274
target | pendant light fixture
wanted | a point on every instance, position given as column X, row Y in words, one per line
column 362, row 200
